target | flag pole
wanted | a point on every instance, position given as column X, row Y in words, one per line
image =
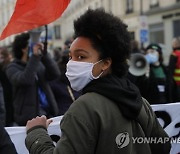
column 46, row 39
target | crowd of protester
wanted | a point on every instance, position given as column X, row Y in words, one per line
column 158, row 84
column 26, row 81
column 33, row 84
column 36, row 85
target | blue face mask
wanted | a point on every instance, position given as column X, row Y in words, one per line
column 151, row 58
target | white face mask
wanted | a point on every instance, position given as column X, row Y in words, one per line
column 80, row 74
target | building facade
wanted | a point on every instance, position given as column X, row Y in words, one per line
column 148, row 20
column 77, row 7
column 160, row 19
column 163, row 22
column 6, row 10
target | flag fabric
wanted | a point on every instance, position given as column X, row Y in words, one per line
column 30, row 14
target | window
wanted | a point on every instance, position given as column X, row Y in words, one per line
column 156, row 33
column 154, row 3
column 132, row 35
column 129, row 4
column 110, row 5
column 102, row 3
column 96, row 5
column 176, row 25
column 57, row 31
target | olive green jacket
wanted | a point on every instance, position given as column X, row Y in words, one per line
column 95, row 125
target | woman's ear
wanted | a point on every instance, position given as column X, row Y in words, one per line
column 106, row 64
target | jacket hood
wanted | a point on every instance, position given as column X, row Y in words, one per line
column 121, row 91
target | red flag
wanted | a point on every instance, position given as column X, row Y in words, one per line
column 30, row 14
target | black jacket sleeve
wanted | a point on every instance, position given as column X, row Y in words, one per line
column 2, row 106
column 52, row 70
column 24, row 77
column 6, row 145
column 172, row 64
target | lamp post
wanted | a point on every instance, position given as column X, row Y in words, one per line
column 143, row 26
column 141, row 14
column 141, row 7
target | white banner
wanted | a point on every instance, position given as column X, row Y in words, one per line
column 168, row 116
column 18, row 134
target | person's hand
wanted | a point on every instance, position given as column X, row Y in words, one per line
column 38, row 48
column 38, row 121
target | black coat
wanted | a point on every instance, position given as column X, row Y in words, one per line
column 7, row 92
column 62, row 93
column 171, row 69
column 149, row 90
column 6, row 145
column 23, row 78
column 2, row 107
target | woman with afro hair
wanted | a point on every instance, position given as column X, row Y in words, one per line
column 111, row 110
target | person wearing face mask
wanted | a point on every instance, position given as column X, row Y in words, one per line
column 29, row 77
column 111, row 109
column 160, row 85
column 156, row 85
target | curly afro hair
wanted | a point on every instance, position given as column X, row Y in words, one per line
column 108, row 35
column 20, row 42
